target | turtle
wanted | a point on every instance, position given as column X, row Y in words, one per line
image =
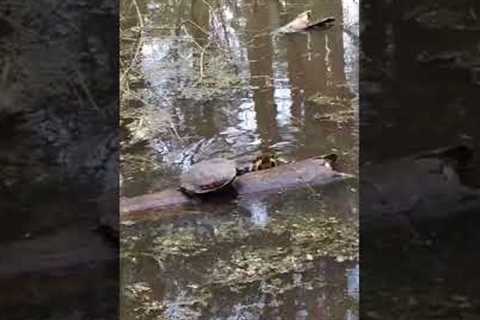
column 208, row 176
column 265, row 161
column 329, row 159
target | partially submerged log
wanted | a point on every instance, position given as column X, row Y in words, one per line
column 303, row 22
column 305, row 173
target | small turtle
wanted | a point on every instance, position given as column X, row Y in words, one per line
column 208, row 176
column 265, row 161
column 329, row 159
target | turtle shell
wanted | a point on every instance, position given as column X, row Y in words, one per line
column 209, row 175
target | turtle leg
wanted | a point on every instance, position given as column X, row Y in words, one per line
column 186, row 192
column 244, row 170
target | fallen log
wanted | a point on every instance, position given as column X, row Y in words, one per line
column 303, row 22
column 305, row 173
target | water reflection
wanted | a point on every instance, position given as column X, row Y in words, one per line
column 353, row 276
column 283, row 73
column 258, row 210
column 351, row 42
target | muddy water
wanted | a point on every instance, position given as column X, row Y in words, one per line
column 212, row 79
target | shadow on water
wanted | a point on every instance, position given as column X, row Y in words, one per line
column 212, row 80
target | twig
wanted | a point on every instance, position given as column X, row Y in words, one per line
column 172, row 125
column 128, row 39
column 208, row 5
column 137, row 51
column 197, row 26
column 202, row 50
column 139, row 14
column 202, row 55
column 139, row 44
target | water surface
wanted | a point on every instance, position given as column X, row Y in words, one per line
column 212, row 80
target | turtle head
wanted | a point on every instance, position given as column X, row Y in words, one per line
column 328, row 160
column 186, row 192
